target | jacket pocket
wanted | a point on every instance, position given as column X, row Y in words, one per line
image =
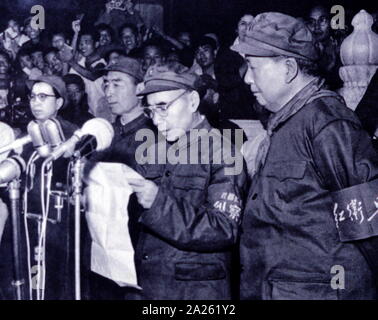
column 189, row 183
column 287, row 179
column 301, row 290
column 285, row 170
column 196, row 271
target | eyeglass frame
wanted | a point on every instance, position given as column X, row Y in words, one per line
column 161, row 107
column 322, row 21
column 41, row 96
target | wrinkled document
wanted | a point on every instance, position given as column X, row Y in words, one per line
column 112, row 253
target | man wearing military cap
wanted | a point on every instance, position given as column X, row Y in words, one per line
column 121, row 80
column 192, row 209
column 314, row 193
column 47, row 96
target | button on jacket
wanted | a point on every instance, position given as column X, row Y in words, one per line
column 290, row 241
column 123, row 150
column 184, row 251
column 59, row 235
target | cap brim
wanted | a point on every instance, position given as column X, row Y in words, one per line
column 30, row 84
column 256, row 48
column 253, row 50
column 154, row 88
column 115, row 68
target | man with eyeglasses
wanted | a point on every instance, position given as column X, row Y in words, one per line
column 192, row 208
column 47, row 96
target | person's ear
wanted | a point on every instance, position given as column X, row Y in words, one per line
column 59, row 103
column 194, row 101
column 292, row 69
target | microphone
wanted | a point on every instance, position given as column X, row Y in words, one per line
column 7, row 138
column 11, row 168
column 96, row 132
column 18, row 143
column 38, row 139
column 53, row 132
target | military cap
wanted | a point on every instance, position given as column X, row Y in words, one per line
column 274, row 34
column 168, row 77
column 54, row 81
column 126, row 65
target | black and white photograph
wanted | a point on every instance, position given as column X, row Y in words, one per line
column 197, row 151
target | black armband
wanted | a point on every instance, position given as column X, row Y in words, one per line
column 355, row 210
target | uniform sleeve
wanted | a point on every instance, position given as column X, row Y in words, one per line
column 347, row 165
column 206, row 226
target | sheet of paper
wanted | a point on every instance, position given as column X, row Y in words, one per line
column 108, row 192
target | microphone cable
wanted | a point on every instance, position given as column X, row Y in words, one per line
column 45, row 202
column 31, row 161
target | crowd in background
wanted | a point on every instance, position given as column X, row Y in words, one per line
column 78, row 58
column 86, row 58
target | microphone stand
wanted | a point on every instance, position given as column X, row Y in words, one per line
column 77, row 186
column 14, row 195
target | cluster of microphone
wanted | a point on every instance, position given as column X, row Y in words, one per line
column 49, row 141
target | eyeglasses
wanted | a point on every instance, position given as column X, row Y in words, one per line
column 321, row 21
column 41, row 96
column 161, row 109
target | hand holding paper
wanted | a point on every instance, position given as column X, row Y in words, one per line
column 145, row 190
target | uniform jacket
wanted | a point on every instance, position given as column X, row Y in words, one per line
column 124, row 143
column 290, row 238
column 59, row 235
column 122, row 150
column 184, row 251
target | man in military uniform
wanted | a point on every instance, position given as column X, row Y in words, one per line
column 314, row 193
column 192, row 209
column 48, row 95
column 121, row 80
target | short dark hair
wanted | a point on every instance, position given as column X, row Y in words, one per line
column 71, row 78
column 59, row 33
column 130, row 26
column 206, row 41
column 50, row 50
column 90, row 33
column 104, row 27
column 116, row 50
column 307, row 66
